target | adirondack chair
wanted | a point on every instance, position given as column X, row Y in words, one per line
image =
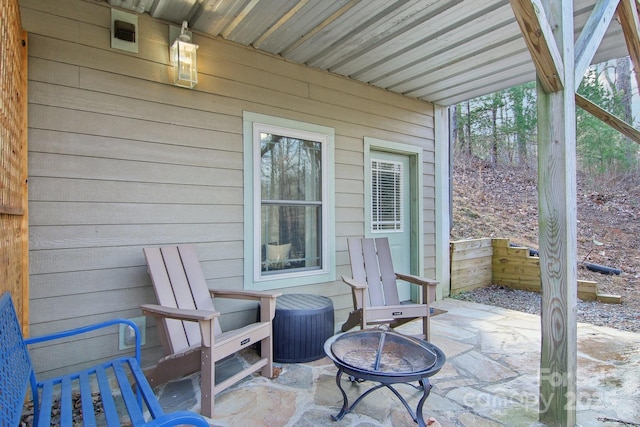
column 375, row 292
column 189, row 329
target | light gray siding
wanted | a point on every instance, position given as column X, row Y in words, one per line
column 120, row 159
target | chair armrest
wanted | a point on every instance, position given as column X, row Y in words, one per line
column 267, row 300
column 179, row 313
column 358, row 294
column 89, row 328
column 428, row 286
column 238, row 294
column 416, row 280
column 354, row 284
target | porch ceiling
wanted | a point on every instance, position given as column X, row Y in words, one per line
column 441, row 51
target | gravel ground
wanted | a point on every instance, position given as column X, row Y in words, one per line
column 619, row 316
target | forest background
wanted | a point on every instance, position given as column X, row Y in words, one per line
column 495, row 178
column 501, row 127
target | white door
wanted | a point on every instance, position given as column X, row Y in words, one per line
column 391, row 210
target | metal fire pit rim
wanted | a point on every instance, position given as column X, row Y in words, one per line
column 391, row 376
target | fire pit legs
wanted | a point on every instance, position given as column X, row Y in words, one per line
column 386, row 358
column 345, row 401
column 425, row 386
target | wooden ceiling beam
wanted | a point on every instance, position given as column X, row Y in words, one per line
column 540, row 40
column 591, row 36
column 628, row 15
column 627, row 11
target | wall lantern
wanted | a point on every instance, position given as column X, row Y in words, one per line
column 183, row 57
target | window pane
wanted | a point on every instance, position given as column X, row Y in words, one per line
column 291, row 192
column 291, row 168
column 290, row 238
column 386, row 196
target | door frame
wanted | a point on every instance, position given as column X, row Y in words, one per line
column 416, row 226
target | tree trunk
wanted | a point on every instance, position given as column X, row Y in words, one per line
column 623, row 87
column 517, row 96
column 469, row 151
column 494, row 144
column 453, row 123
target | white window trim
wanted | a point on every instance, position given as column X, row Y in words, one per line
column 252, row 123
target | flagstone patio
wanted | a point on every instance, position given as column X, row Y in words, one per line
column 490, row 379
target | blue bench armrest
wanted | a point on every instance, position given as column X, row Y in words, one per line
column 89, row 328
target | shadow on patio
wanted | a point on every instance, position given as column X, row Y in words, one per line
column 490, row 379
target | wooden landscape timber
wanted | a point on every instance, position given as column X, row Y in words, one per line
column 470, row 264
column 477, row 263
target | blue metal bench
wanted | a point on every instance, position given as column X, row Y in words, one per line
column 126, row 396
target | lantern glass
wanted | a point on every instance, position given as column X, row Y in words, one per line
column 183, row 57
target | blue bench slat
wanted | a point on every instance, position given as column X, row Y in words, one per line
column 44, row 418
column 108, row 404
column 145, row 389
column 66, row 402
column 86, row 398
column 130, row 398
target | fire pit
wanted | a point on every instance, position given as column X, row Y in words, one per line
column 385, row 357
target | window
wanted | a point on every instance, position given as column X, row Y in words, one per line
column 291, row 201
column 290, row 215
column 386, row 196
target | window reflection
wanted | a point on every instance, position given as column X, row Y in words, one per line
column 291, row 203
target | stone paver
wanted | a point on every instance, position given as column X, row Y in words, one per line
column 490, row 379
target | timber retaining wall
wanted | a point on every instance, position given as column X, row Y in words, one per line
column 481, row 262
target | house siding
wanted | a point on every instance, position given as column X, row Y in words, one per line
column 120, row 159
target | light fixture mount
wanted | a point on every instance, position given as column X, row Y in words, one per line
column 124, row 31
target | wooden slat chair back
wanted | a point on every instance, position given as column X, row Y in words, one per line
column 180, row 284
column 188, row 323
column 375, row 291
column 371, row 264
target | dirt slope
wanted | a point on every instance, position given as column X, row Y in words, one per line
column 502, row 202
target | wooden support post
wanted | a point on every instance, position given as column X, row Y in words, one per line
column 557, row 213
column 557, row 80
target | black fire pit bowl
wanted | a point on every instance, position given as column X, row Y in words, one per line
column 385, row 353
column 386, row 357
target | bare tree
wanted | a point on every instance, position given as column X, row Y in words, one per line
column 623, row 87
